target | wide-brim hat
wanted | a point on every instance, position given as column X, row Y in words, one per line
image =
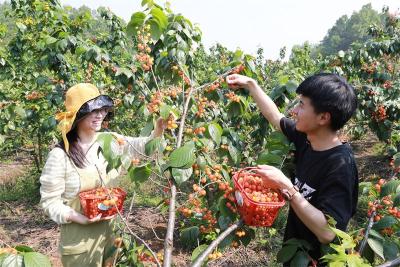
column 80, row 100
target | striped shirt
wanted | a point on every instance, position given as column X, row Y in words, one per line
column 60, row 182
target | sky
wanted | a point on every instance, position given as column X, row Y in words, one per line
column 250, row 24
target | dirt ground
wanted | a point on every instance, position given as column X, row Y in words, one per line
column 24, row 224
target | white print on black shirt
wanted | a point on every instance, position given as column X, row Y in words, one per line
column 305, row 190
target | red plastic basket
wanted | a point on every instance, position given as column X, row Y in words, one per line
column 97, row 201
column 256, row 213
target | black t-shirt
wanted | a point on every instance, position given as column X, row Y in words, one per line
column 327, row 179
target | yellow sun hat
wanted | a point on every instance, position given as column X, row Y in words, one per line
column 80, row 100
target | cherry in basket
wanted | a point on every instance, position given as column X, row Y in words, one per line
column 257, row 201
column 104, row 201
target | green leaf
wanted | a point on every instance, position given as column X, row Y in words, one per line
column 286, row 253
column 201, row 161
column 396, row 158
column 300, row 260
column 160, row 17
column 20, row 112
column 385, row 222
column 377, row 235
column 137, row 19
column 305, row 244
column 234, row 109
column 50, row 40
column 139, row 174
column 224, row 210
column 35, row 259
column 13, row 260
column 21, row 26
column 291, row 86
column 269, row 159
column 23, row 248
column 346, row 239
column 226, row 242
column 215, row 132
column 128, row 73
column 152, row 145
column 149, row 3
column 283, row 79
column 181, row 175
column 181, row 156
column 390, row 250
column 376, row 246
column 190, row 235
column 110, row 252
column 368, row 254
column 2, row 139
column 80, row 50
column 105, row 140
column 250, row 235
column 165, row 111
column 354, row 260
column 197, row 251
column 396, row 200
column 390, row 188
column 224, row 221
column 234, row 153
column 147, row 128
column 126, row 160
column 276, row 92
column 155, row 30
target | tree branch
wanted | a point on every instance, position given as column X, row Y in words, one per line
column 169, row 237
column 364, row 241
column 393, row 263
column 202, row 257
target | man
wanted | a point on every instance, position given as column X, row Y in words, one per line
column 326, row 179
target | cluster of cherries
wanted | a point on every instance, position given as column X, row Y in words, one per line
column 143, row 56
column 387, row 84
column 369, row 68
column 200, row 130
column 33, row 95
column 89, row 72
column 181, row 74
column 381, row 207
column 173, row 91
column 171, row 123
column 379, row 114
column 202, row 103
column 155, row 102
column 232, row 97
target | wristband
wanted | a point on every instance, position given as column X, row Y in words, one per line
column 289, row 193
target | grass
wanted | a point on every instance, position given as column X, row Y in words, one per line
column 378, row 149
column 24, row 188
column 146, row 194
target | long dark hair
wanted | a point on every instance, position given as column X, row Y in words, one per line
column 75, row 151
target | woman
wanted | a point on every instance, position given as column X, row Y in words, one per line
column 74, row 166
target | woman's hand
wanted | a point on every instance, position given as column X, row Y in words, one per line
column 161, row 125
column 274, row 176
column 82, row 219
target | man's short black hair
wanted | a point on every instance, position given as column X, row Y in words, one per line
column 330, row 93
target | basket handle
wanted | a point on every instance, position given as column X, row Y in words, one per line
column 237, row 174
column 245, row 169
